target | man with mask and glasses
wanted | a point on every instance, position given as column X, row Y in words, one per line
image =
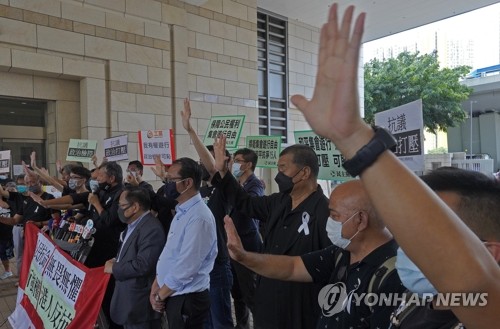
column 103, row 205
column 295, row 220
column 135, row 263
column 362, row 248
column 221, row 277
column 244, row 282
column 183, row 270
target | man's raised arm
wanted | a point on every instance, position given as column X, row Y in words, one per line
column 449, row 254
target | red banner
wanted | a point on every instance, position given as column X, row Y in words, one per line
column 55, row 291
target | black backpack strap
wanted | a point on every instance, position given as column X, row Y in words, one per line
column 382, row 272
column 380, row 275
column 403, row 310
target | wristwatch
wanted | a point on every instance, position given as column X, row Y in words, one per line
column 368, row 154
column 158, row 298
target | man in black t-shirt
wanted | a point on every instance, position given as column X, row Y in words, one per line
column 7, row 209
column 362, row 244
column 104, row 213
column 30, row 211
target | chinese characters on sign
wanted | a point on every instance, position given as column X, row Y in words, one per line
column 116, row 148
column 156, row 142
column 81, row 150
column 53, row 285
column 267, row 148
column 230, row 126
column 54, row 290
column 406, row 124
column 330, row 159
column 4, row 162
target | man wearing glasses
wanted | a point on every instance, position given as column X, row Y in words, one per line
column 244, row 280
column 134, row 266
column 183, row 269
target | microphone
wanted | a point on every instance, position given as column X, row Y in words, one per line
column 94, row 188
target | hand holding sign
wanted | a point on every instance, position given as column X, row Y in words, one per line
column 108, row 266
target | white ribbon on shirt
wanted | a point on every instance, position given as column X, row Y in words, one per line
column 305, row 220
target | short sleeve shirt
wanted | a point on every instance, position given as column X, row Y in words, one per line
column 356, row 277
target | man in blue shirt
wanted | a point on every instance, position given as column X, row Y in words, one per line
column 183, row 269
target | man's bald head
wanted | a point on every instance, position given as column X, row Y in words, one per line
column 351, row 197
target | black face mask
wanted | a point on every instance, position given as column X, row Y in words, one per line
column 36, row 189
column 104, row 186
column 121, row 215
column 285, row 183
column 171, row 190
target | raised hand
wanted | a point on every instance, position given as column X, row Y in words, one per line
column 333, row 111
column 159, row 168
column 186, row 116
column 44, row 171
column 94, row 160
column 58, row 166
column 220, row 154
column 33, row 159
column 27, row 170
column 132, row 179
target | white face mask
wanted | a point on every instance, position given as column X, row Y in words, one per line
column 411, row 276
column 334, row 230
column 237, row 172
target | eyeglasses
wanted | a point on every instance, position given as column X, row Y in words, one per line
column 125, row 206
column 75, row 177
column 239, row 161
column 174, row 180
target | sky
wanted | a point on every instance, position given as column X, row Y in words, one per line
column 482, row 26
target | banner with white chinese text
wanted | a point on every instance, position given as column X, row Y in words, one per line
column 229, row 126
column 116, row 148
column 406, row 124
column 81, row 150
column 55, row 291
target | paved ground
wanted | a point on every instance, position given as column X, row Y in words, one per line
column 8, row 292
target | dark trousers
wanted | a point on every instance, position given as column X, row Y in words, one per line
column 188, row 311
column 243, row 290
column 106, row 303
column 153, row 324
column 221, row 281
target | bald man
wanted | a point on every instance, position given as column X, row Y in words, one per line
column 362, row 244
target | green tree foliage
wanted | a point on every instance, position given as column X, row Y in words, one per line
column 409, row 77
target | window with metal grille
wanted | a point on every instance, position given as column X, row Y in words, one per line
column 273, row 75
